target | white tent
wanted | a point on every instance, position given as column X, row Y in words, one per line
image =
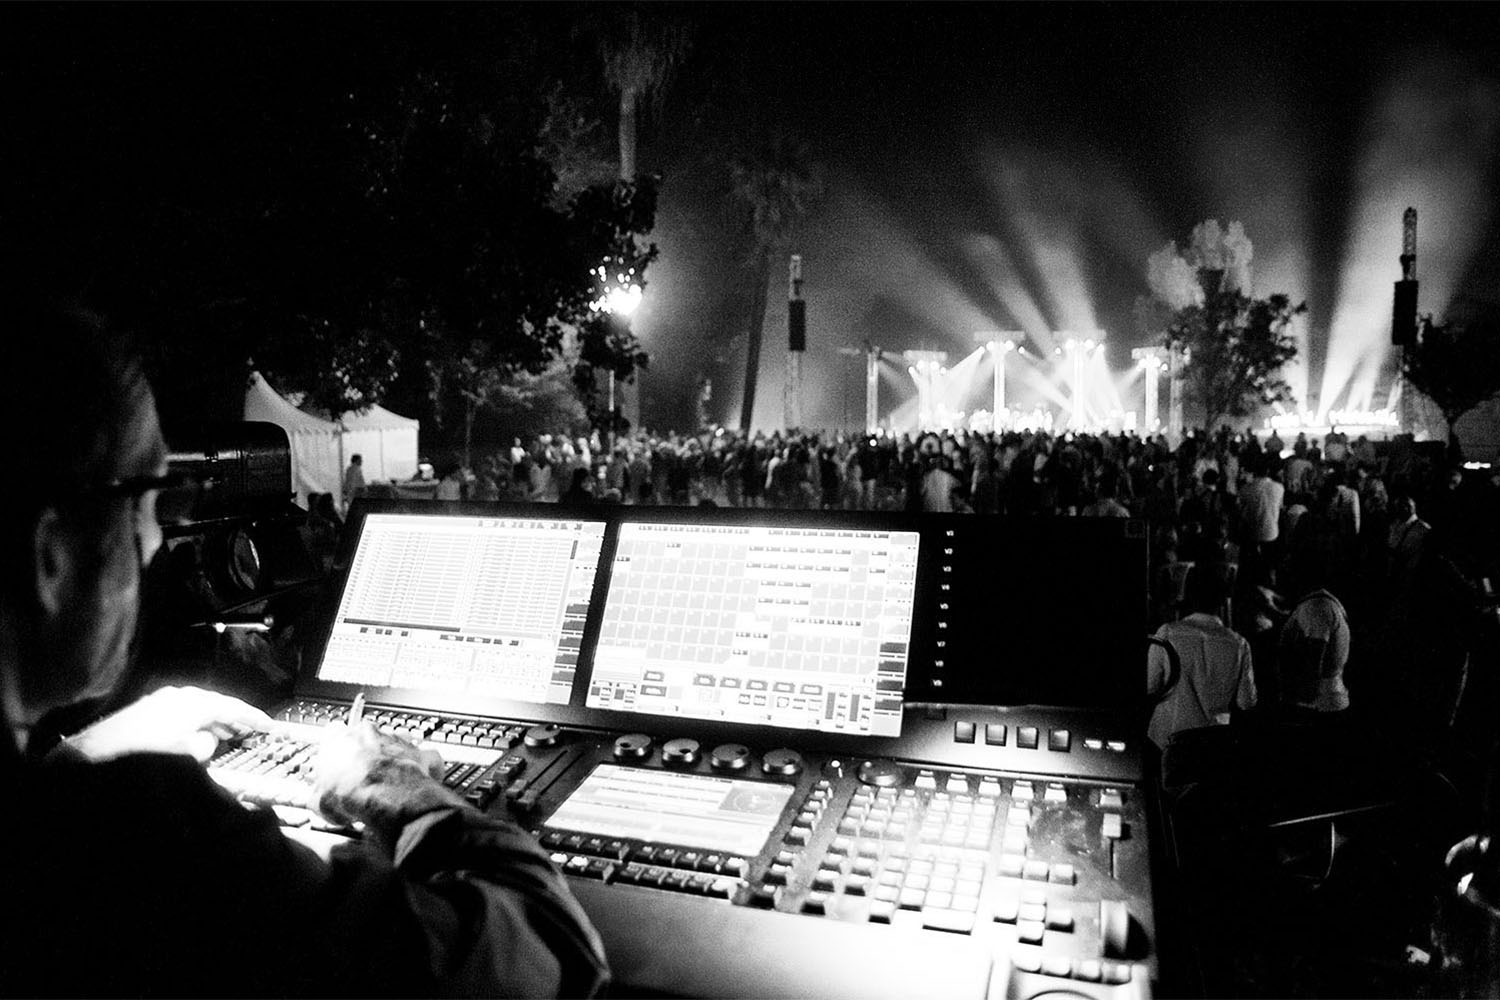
column 321, row 448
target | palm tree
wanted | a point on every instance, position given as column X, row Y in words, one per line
column 641, row 50
column 777, row 186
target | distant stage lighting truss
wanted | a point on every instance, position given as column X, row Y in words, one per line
column 1000, row 343
column 926, row 369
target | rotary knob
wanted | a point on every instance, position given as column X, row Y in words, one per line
column 783, row 762
column 545, row 735
column 880, row 773
column 730, row 757
column 632, row 746
column 682, row 752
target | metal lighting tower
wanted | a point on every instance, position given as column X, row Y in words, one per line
column 1404, row 308
column 1154, row 360
column 924, row 367
column 1000, row 343
column 796, row 321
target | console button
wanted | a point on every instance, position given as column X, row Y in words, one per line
column 545, row 735
column 1060, row 740
column 994, row 734
column 632, row 746
column 681, row 752
column 954, row 921
column 963, row 732
column 1026, row 737
column 880, row 773
column 783, row 762
column 729, row 757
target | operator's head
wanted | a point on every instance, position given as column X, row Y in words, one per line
column 78, row 521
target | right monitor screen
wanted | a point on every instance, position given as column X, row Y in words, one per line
column 806, row 628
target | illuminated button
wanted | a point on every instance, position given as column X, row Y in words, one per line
column 594, row 845
column 1116, row 973
column 777, row 874
column 1011, row 865
column 869, row 849
column 1091, row 743
column 1035, row 871
column 576, row 864
column 963, row 732
column 989, row 787
column 1056, row 965
column 863, row 866
column 912, row 899
column 1007, row 909
column 1111, row 798
column 646, row 853
column 711, row 863
column 825, row 881
column 881, row 912
column 994, row 734
column 1030, row 931
column 1033, row 912
column 1112, row 828
column 798, row 835
column 918, row 881
column 1089, row 970
column 1056, row 793
column 734, row 865
column 1062, row 874
column 1022, row 791
column 1059, row 740
column 926, row 780
column 842, row 845
column 952, row 921
column 857, row 885
column 887, row 893
column 806, row 817
column 1059, row 918
column 957, row 784
column 723, row 888
column 668, row 856
column 968, row 904
column 1026, row 737
column 1118, row 746
column 786, row 858
column 689, row 859
column 678, row 881
column 1027, row 961
column 832, row 862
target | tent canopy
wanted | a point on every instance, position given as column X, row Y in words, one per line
column 321, row 447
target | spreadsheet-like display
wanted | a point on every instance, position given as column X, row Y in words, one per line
column 490, row 606
column 807, row 628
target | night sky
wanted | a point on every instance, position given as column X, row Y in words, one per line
column 988, row 166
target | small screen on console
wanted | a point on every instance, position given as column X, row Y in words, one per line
column 691, row 810
column 490, row 606
column 807, row 628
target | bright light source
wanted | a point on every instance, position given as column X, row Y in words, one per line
column 621, row 300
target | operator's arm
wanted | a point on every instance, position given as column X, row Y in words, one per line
column 494, row 915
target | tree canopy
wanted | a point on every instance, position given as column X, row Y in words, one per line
column 1235, row 347
column 1456, row 364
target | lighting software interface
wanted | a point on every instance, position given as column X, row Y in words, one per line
column 694, row 810
column 807, row 628
column 490, row 606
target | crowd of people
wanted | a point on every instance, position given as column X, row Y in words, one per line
column 1299, row 576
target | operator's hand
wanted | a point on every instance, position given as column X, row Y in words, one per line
column 185, row 720
column 380, row 780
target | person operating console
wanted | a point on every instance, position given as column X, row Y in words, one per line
column 127, row 870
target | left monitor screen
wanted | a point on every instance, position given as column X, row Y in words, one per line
column 487, row 606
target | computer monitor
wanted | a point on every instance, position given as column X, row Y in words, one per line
column 798, row 627
column 490, row 606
